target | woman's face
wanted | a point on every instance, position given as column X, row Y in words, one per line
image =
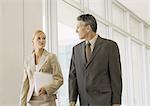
column 39, row 41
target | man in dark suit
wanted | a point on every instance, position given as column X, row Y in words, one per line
column 95, row 69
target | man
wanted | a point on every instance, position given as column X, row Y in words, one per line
column 95, row 69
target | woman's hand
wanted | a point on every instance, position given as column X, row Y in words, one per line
column 42, row 91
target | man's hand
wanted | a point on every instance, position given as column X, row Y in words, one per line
column 72, row 103
column 116, row 104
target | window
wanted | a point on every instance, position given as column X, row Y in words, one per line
column 138, row 74
column 146, row 35
column 135, row 27
column 122, row 43
column 67, row 38
column 128, row 30
column 98, row 7
column 118, row 16
column 102, row 29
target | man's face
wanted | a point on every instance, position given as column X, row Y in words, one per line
column 82, row 29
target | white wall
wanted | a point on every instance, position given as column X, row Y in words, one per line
column 18, row 18
column 11, row 49
column 32, row 22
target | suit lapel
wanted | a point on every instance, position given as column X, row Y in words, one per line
column 32, row 64
column 95, row 50
column 83, row 53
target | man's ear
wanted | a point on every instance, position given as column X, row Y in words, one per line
column 89, row 28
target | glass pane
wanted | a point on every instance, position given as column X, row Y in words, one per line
column 148, row 73
column 134, row 27
column 67, row 38
column 102, row 30
column 122, row 42
column 138, row 74
column 147, row 35
column 118, row 16
column 98, row 7
column 76, row 3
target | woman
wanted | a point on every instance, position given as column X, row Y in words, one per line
column 43, row 62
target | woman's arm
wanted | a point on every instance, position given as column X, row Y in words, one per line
column 57, row 76
column 24, row 89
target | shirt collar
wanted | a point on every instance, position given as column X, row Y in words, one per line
column 92, row 41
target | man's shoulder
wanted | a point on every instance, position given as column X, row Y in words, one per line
column 78, row 45
column 109, row 41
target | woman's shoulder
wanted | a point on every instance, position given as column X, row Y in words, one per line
column 28, row 59
column 49, row 54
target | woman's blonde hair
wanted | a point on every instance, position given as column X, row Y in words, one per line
column 37, row 32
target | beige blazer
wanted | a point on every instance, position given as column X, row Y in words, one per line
column 48, row 64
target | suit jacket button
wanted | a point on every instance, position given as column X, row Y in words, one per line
column 87, row 90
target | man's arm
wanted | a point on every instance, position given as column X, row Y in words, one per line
column 115, row 73
column 73, row 87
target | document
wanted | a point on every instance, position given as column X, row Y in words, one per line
column 42, row 79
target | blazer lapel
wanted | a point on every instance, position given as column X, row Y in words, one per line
column 42, row 60
column 96, row 49
column 83, row 52
column 32, row 64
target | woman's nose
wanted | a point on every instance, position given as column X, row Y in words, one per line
column 76, row 30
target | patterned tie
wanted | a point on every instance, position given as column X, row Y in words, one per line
column 88, row 51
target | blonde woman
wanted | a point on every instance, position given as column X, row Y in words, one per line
column 44, row 62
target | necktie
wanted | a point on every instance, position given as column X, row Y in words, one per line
column 88, row 51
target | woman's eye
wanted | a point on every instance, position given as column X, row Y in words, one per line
column 44, row 38
column 39, row 38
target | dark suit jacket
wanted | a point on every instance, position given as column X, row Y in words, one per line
column 98, row 82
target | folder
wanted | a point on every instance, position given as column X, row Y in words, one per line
column 42, row 79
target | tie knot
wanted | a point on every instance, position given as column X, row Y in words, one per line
column 88, row 43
